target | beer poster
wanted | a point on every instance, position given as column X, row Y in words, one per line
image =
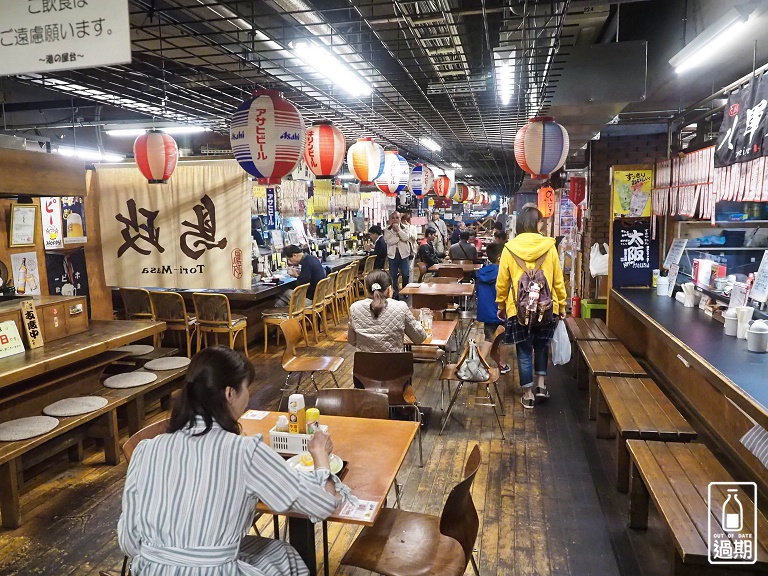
column 73, row 217
column 631, row 192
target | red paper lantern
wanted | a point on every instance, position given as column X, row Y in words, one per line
column 462, row 192
column 324, row 149
column 578, row 190
column 541, row 146
column 442, row 186
column 546, row 201
column 156, row 154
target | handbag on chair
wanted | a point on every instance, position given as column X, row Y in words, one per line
column 472, row 367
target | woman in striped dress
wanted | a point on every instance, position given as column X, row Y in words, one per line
column 190, row 495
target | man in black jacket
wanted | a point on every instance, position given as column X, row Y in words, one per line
column 312, row 272
column 426, row 252
column 379, row 246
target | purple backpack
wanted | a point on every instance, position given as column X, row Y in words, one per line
column 534, row 296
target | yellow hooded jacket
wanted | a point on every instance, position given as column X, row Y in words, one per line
column 529, row 247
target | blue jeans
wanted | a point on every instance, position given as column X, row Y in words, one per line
column 532, row 358
column 399, row 265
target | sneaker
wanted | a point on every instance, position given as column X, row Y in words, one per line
column 527, row 402
column 542, row 394
column 504, row 369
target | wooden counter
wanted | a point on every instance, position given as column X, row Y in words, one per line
column 713, row 376
column 58, row 316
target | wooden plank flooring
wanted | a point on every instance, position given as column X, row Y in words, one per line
column 545, row 496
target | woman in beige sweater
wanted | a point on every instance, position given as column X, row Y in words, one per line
column 379, row 323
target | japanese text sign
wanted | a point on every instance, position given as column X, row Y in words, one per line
column 50, row 217
column 10, row 341
column 578, row 192
column 271, row 208
column 675, row 252
column 744, row 125
column 48, row 35
column 194, row 233
column 759, row 290
column 31, row 324
column 632, row 193
column 635, row 253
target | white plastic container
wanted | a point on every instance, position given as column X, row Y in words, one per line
column 662, row 286
column 287, row 443
column 731, row 322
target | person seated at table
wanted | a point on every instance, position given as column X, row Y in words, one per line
column 379, row 247
column 379, row 323
column 485, row 287
column 190, row 495
column 312, row 272
column 426, row 252
column 475, row 241
column 463, row 250
column 456, row 234
column 500, row 237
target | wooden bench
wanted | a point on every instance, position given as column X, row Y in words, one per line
column 131, row 363
column 72, row 431
column 606, row 358
column 585, row 329
column 677, row 476
column 639, row 410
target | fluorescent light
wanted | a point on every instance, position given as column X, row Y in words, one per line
column 329, row 66
column 713, row 39
column 89, row 154
column 167, row 129
column 505, row 76
column 430, row 144
column 346, row 176
column 456, row 165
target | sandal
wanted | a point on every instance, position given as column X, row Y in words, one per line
column 527, row 402
column 542, row 394
column 505, row 369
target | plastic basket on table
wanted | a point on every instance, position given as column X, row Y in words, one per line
column 287, row 443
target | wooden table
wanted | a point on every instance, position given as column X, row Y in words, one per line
column 442, row 330
column 436, row 296
column 466, row 268
column 374, row 451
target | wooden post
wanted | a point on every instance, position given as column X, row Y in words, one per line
column 9, row 494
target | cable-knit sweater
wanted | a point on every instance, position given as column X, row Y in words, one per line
column 385, row 333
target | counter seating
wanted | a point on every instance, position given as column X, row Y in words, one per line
column 585, row 329
column 169, row 308
column 640, row 410
column 72, row 431
column 606, row 358
column 138, row 306
column 215, row 317
column 677, row 476
column 316, row 312
column 295, row 309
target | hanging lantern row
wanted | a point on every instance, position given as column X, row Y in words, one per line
column 156, row 155
column 442, row 186
column 365, row 159
column 541, row 146
column 394, row 177
column 324, row 150
column 421, row 180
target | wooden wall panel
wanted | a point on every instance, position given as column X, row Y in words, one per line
column 37, row 174
column 101, row 294
column 6, row 250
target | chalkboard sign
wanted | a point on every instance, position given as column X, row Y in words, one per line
column 635, row 253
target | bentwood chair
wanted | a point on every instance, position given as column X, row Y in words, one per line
column 138, row 306
column 449, row 374
column 330, row 296
column 294, row 364
column 354, row 276
column 390, row 373
column 295, row 309
column 215, row 317
column 402, row 542
column 316, row 312
column 367, row 269
column 341, row 295
column 449, row 271
column 170, row 308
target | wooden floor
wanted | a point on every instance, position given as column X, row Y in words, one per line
column 545, row 496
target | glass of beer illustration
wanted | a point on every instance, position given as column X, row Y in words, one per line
column 74, row 225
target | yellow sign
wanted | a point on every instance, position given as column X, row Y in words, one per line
column 323, row 187
column 259, row 191
column 632, row 193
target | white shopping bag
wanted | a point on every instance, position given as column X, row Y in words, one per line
column 560, row 345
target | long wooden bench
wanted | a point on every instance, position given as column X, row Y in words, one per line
column 71, row 431
column 676, row 476
column 606, row 358
column 585, row 329
column 639, row 410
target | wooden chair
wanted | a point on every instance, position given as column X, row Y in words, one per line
column 448, row 271
column 316, row 312
column 402, row 542
column 330, row 296
column 138, row 306
column 353, row 279
column 390, row 373
column 293, row 364
column 367, row 268
column 295, row 310
column 215, row 317
column 449, row 373
column 341, row 296
column 170, row 308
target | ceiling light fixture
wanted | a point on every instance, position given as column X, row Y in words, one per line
column 89, row 154
column 120, row 132
column 713, row 40
column 331, row 67
column 505, row 76
column 456, row 165
column 430, row 144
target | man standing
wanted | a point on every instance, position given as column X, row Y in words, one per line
column 441, row 237
column 397, row 238
column 379, row 248
column 312, row 272
column 502, row 218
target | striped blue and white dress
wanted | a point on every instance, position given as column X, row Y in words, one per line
column 189, row 503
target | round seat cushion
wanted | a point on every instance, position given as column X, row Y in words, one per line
column 75, row 406
column 130, row 379
column 24, row 428
column 136, row 349
column 167, row 363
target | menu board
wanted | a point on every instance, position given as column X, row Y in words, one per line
column 675, row 252
column 759, row 291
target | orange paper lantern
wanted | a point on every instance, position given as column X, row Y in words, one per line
column 442, row 186
column 546, row 201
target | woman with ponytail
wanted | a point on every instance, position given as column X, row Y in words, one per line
column 379, row 323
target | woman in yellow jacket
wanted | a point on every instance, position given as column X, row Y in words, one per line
column 532, row 345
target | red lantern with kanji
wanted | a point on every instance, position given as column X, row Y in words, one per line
column 546, row 201
column 156, row 154
column 442, row 186
column 324, row 149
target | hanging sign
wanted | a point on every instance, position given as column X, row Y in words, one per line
column 31, row 324
column 635, row 253
column 196, row 234
column 271, row 208
column 48, row 35
column 578, row 191
column 10, row 341
column 546, row 201
column 744, row 125
column 73, row 215
column 50, row 217
column 675, row 252
column 759, row 291
column 632, row 193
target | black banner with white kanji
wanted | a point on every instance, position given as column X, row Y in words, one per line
column 635, row 253
column 743, row 131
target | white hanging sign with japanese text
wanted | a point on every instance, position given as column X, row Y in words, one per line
column 193, row 232
column 759, row 292
column 49, row 35
column 50, row 215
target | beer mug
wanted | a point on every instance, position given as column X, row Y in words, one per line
column 426, row 316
